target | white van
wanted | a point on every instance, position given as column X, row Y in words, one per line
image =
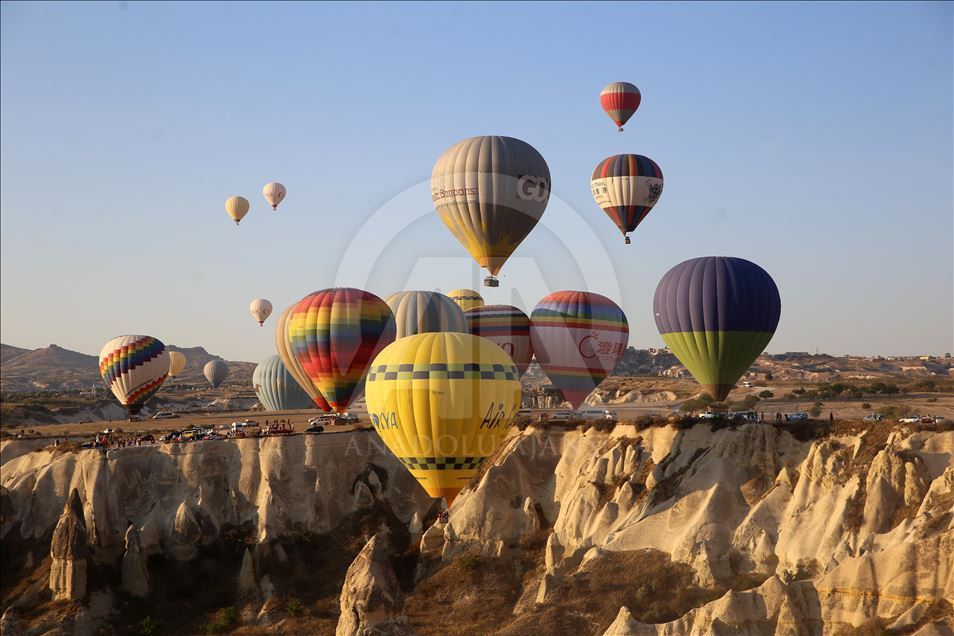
column 596, row 414
column 562, row 416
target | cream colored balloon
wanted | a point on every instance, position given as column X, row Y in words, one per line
column 260, row 309
column 177, row 363
column 237, row 207
column 274, row 193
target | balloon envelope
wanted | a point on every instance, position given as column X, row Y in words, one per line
column 717, row 314
column 466, row 298
column 277, row 390
column 284, row 346
column 133, row 367
column 237, row 208
column 177, row 362
column 335, row 334
column 442, row 402
column 578, row 337
column 507, row 327
column 620, row 100
column 273, row 193
column 215, row 372
column 424, row 312
column 260, row 309
column 627, row 187
column 490, row 192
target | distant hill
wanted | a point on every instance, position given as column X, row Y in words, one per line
column 54, row 368
column 8, row 353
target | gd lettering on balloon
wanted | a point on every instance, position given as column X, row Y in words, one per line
column 532, row 188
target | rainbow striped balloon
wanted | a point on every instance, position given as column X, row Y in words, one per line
column 133, row 367
column 335, row 334
column 578, row 337
column 508, row 327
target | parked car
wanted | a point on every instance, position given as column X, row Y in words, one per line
column 108, row 431
column 596, row 414
column 348, row 418
column 315, row 428
column 147, row 438
column 212, row 436
column 562, row 416
column 874, row 417
column 248, row 428
column 745, row 416
column 710, row 415
column 324, row 418
column 747, row 384
column 165, row 415
column 797, row 416
column 910, row 419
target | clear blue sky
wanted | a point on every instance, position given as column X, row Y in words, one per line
column 815, row 139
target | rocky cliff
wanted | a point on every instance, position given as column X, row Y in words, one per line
column 664, row 530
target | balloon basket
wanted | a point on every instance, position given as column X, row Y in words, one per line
column 490, row 281
column 627, row 240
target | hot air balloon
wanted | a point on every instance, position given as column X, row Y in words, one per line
column 490, row 192
column 215, row 372
column 276, row 388
column 620, row 100
column 273, row 193
column 627, row 187
column 335, row 334
column 442, row 402
column 578, row 337
column 508, row 327
column 260, row 309
column 237, row 207
column 177, row 362
column 283, row 344
column 423, row 312
column 717, row 314
column 466, row 298
column 133, row 367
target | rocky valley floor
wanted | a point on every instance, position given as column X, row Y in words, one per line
column 752, row 529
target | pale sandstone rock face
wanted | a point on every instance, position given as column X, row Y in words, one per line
column 897, row 585
column 179, row 494
column 837, row 514
column 135, row 576
column 69, row 550
column 371, row 598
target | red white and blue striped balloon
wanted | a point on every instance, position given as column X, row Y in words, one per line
column 507, row 327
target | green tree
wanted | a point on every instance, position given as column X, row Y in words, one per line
column 765, row 395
